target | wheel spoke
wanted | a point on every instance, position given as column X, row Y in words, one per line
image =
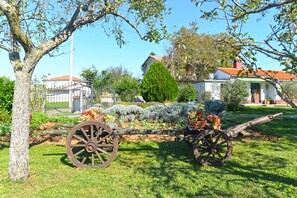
column 99, row 133
column 80, row 138
column 92, row 132
column 103, row 151
column 77, row 145
column 105, row 145
column 204, row 141
column 217, row 139
column 84, row 132
column 93, row 160
column 99, row 156
column 79, row 152
column 104, row 138
column 84, row 159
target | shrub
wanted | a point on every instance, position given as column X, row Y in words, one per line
column 206, row 95
column 289, row 89
column 6, row 97
column 187, row 93
column 5, row 129
column 158, row 85
column 190, row 106
column 127, row 88
column 38, row 96
column 39, row 118
column 214, row 106
column 234, row 93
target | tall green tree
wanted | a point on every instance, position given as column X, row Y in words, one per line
column 280, row 42
column 31, row 29
column 158, row 85
column 193, row 56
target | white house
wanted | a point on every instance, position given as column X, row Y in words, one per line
column 59, row 88
column 259, row 90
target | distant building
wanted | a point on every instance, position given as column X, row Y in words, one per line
column 259, row 90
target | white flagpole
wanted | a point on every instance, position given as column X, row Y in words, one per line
column 70, row 74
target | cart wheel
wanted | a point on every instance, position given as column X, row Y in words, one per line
column 212, row 147
column 91, row 144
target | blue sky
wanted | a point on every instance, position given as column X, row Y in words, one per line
column 93, row 47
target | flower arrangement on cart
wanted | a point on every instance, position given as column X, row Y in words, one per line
column 197, row 119
column 96, row 114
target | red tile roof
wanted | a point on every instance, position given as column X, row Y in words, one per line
column 281, row 75
column 64, row 78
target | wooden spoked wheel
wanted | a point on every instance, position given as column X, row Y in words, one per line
column 91, row 144
column 212, row 148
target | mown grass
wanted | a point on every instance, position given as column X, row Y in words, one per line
column 263, row 110
column 258, row 168
column 55, row 105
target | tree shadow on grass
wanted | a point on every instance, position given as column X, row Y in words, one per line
column 3, row 146
column 171, row 161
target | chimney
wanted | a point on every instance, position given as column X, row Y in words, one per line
column 237, row 63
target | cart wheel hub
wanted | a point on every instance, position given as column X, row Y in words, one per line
column 91, row 147
column 214, row 150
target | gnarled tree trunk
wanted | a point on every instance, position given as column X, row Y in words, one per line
column 18, row 168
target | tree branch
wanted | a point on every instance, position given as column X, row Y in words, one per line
column 128, row 22
column 259, row 9
column 13, row 19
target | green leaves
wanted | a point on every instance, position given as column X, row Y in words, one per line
column 193, row 56
column 158, row 85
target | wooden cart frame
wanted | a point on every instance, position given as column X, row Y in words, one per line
column 94, row 144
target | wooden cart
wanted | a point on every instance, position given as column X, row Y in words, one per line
column 94, row 144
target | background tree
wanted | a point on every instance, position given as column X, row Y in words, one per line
column 280, row 43
column 158, row 85
column 127, row 88
column 31, row 29
column 235, row 94
column 192, row 56
column 111, row 80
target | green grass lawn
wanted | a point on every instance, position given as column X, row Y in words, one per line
column 55, row 105
column 260, row 110
column 258, row 168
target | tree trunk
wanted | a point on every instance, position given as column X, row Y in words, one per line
column 18, row 168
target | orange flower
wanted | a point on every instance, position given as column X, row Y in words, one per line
column 90, row 114
column 213, row 119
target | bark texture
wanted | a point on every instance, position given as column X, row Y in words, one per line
column 18, row 168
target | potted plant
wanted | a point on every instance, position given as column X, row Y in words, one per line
column 215, row 121
column 90, row 114
column 195, row 119
column 110, row 120
column 268, row 100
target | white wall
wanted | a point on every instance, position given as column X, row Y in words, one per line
column 212, row 86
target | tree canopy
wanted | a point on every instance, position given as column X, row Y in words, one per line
column 114, row 80
column 31, row 29
column 192, row 56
